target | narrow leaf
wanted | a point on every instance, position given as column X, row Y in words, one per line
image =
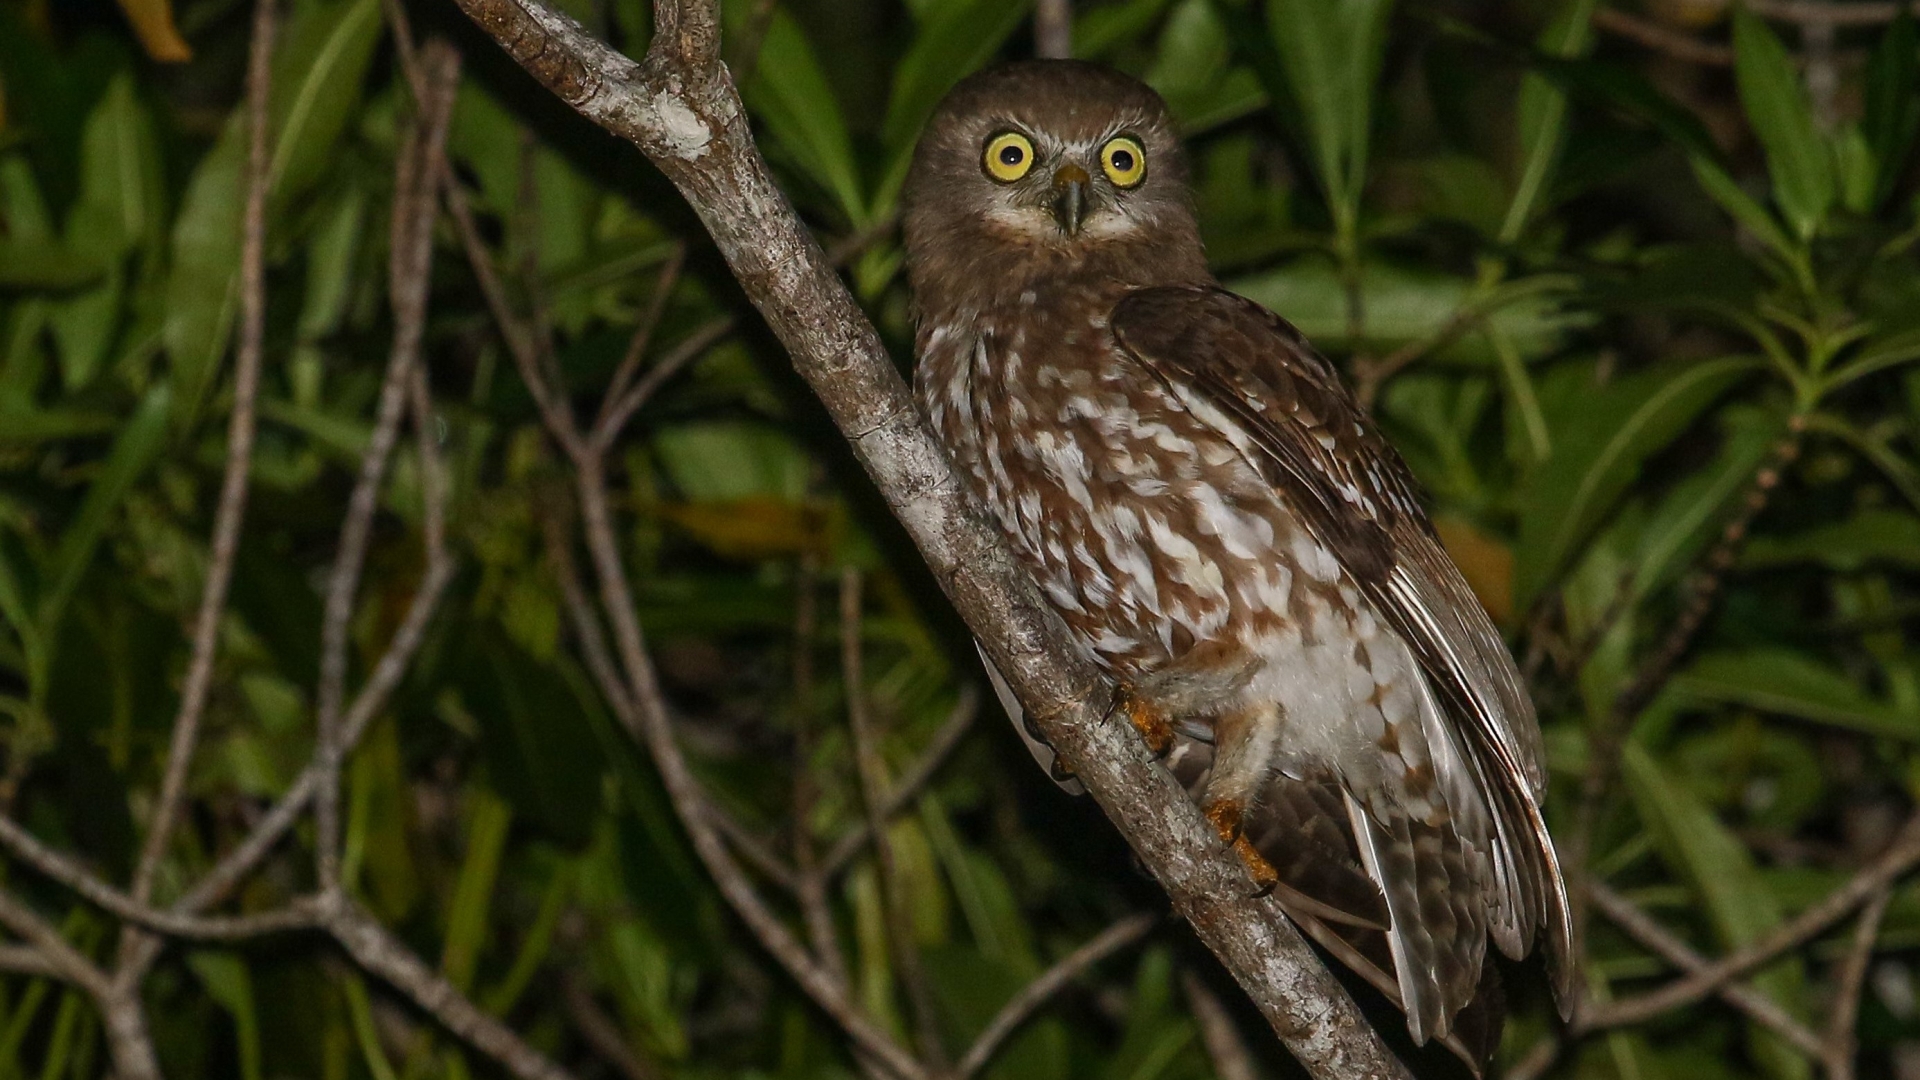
column 1797, row 157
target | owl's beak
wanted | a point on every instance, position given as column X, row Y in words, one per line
column 1070, row 198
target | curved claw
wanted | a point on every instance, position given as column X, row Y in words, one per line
column 1059, row 771
column 1228, row 819
column 1151, row 722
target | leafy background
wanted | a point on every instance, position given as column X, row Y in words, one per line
column 1595, row 267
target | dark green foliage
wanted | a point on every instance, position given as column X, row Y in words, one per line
column 1587, row 290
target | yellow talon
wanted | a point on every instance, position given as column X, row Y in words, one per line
column 1150, row 722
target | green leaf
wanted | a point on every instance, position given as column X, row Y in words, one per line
column 1331, row 51
column 1687, row 518
column 1737, row 898
column 1789, row 683
column 1543, row 115
column 1892, row 113
column 121, row 202
column 225, row 976
column 1723, row 189
column 1870, row 536
column 1407, row 304
column 318, row 73
column 203, row 286
column 1193, row 69
column 1598, row 450
column 958, row 38
column 46, row 265
column 135, row 448
column 1798, row 159
column 790, row 94
column 467, row 930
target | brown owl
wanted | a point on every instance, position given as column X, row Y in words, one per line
column 1228, row 537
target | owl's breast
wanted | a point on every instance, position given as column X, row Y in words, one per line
column 1147, row 528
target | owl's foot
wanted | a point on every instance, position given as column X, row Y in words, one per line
column 1228, row 818
column 1149, row 720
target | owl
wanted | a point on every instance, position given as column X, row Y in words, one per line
column 1230, row 540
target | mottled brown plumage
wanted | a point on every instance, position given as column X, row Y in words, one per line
column 1228, row 537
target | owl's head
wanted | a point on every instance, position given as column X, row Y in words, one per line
column 1049, row 157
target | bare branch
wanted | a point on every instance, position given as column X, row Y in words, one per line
column 1843, row 1042
column 615, row 418
column 62, row 959
column 26, row 960
column 1654, row 36
column 1896, row 862
column 381, row 954
column 649, row 718
column 600, row 1031
column 643, row 331
column 1225, row 1048
column 1807, row 12
column 232, row 510
column 692, row 125
column 418, row 169
column 1053, row 28
column 1041, row 990
column 957, row 724
column 521, row 345
column 1761, row 1008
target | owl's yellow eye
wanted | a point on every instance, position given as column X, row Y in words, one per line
column 1009, row 157
column 1124, row 161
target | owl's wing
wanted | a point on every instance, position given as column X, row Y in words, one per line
column 1255, row 378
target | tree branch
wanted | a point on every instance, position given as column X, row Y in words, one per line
column 1050, row 982
column 1893, row 864
column 1642, row 928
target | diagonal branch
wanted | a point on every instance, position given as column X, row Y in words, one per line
column 241, row 425
column 680, row 108
column 1755, row 1004
column 1042, row 990
column 1895, row 863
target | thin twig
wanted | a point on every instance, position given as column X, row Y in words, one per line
column 694, row 347
column 1053, row 29
column 1897, row 861
column 950, row 735
column 519, row 341
column 1680, row 46
column 1041, row 990
column 872, row 770
column 381, row 954
column 1642, row 928
column 1226, row 1050
column 641, row 693
column 1831, row 14
column 418, row 169
column 232, row 512
column 601, row 1032
column 643, row 330
column 1842, row 1041
column 62, row 959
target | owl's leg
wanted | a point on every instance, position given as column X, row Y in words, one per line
column 1198, row 684
column 1244, row 742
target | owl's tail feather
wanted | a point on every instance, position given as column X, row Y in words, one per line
column 1475, row 1034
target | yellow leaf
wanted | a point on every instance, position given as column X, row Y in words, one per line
column 753, row 528
column 153, row 24
column 1485, row 562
